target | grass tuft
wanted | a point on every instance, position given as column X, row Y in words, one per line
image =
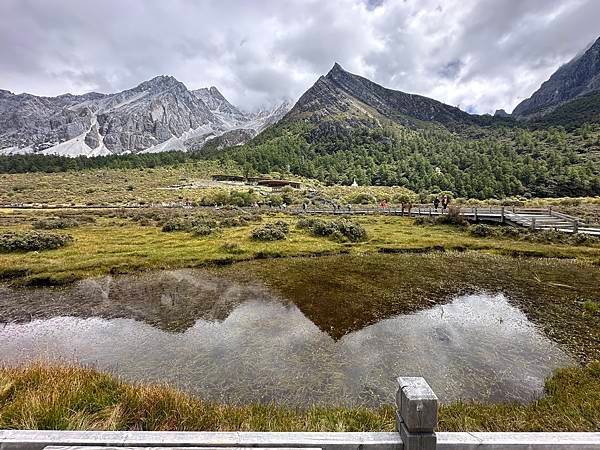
column 42, row 396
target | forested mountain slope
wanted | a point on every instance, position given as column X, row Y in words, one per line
column 346, row 127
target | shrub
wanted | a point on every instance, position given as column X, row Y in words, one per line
column 252, row 217
column 240, row 198
column 352, row 231
column 202, row 230
column 55, row 223
column 276, row 231
column 591, row 307
column 452, row 218
column 548, row 236
column 305, row 223
column 283, row 226
column 233, row 222
column 230, row 222
column 339, row 230
column 174, row 225
column 405, row 196
column 362, row 198
column 275, row 200
column 512, row 232
column 188, row 223
column 32, row 241
column 481, row 230
column 584, row 239
column 234, row 197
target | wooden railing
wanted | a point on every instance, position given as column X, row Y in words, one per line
column 532, row 218
column 417, row 407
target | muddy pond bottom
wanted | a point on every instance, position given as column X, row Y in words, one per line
column 260, row 348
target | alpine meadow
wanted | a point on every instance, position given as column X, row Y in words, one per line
column 352, row 224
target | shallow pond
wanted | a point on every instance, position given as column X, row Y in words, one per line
column 234, row 342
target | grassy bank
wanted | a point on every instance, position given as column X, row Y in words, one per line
column 50, row 397
column 114, row 244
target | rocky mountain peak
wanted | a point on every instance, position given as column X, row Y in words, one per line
column 337, row 68
column 218, row 104
column 576, row 78
column 161, row 83
column 343, row 93
column 337, row 72
column 160, row 114
column 214, row 91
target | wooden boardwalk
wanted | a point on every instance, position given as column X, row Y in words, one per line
column 532, row 218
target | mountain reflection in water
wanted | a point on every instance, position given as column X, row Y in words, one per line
column 244, row 344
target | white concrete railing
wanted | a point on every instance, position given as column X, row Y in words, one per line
column 417, row 408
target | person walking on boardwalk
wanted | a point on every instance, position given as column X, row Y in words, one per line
column 436, row 203
column 445, row 202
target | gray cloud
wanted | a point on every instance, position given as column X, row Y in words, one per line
column 479, row 54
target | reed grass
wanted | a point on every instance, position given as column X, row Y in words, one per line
column 43, row 396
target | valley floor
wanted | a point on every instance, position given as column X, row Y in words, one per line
column 125, row 241
column 400, row 268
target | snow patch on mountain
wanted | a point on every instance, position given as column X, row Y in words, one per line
column 9, row 151
column 76, row 147
column 158, row 115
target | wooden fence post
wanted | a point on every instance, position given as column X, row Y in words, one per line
column 533, row 223
column 575, row 226
column 502, row 215
column 416, row 416
column 475, row 210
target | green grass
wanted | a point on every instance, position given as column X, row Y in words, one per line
column 400, row 268
column 108, row 186
column 117, row 245
column 73, row 398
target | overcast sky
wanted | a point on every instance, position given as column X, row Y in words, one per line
column 480, row 55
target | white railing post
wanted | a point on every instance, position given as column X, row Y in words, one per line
column 416, row 417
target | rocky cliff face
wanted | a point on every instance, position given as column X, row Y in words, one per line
column 40, row 122
column 577, row 78
column 218, row 104
column 150, row 114
column 341, row 92
column 158, row 115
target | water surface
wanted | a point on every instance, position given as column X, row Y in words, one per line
column 243, row 343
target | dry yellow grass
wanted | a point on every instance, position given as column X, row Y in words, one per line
column 73, row 398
